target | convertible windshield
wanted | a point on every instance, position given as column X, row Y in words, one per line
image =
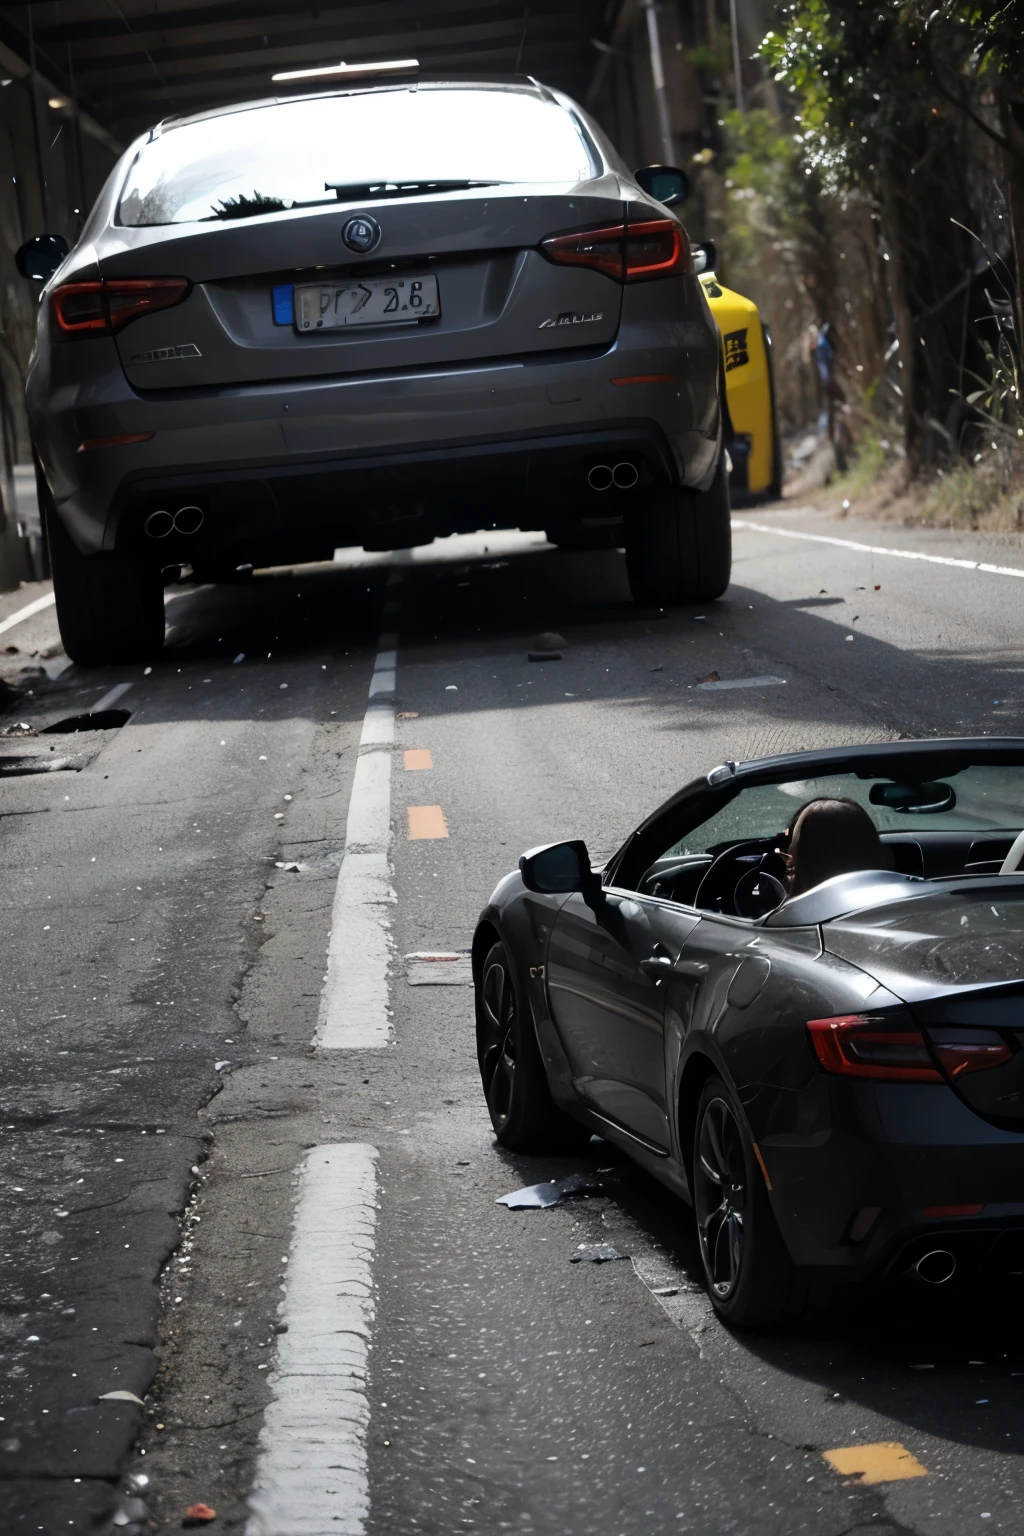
column 980, row 798
column 291, row 154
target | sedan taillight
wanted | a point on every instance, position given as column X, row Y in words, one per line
column 105, row 305
column 629, row 253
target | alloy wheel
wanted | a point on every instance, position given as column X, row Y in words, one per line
column 497, row 1044
column 720, row 1197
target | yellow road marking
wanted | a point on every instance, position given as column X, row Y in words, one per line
column 418, row 757
column 426, row 821
column 886, row 1462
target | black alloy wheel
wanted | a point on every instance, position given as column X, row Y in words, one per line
column 752, row 1281
column 523, row 1113
column 720, row 1194
column 496, row 1042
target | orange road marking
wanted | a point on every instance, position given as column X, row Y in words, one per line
column 426, row 821
column 886, row 1462
column 418, row 757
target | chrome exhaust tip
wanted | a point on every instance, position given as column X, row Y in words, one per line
column 936, row 1267
column 189, row 519
column 625, row 476
column 159, row 524
column 600, row 477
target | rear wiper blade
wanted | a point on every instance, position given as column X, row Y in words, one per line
column 347, row 191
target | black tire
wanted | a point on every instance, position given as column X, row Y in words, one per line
column 523, row 1113
column 752, row 1281
column 679, row 547
column 110, row 606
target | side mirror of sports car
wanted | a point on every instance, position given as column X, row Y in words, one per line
column 39, row 258
column 667, row 184
column 705, row 256
column 558, row 868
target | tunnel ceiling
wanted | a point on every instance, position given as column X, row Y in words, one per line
column 137, row 61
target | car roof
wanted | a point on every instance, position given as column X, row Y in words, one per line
column 524, row 85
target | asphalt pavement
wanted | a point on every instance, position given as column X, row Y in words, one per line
column 171, row 1106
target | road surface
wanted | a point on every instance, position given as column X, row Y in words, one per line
column 264, row 1204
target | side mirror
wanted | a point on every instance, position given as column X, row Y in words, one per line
column 667, row 184
column 39, row 259
column 557, row 868
column 705, row 256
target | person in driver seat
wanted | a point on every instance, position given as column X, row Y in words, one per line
column 832, row 837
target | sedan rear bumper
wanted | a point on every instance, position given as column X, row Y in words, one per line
column 296, row 469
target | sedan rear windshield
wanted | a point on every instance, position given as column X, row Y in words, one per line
column 292, row 154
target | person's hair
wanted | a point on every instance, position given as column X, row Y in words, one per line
column 832, row 837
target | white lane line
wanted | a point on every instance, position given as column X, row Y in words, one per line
column 110, row 699
column 744, row 682
column 354, row 1013
column 311, row 1473
column 19, row 617
column 880, row 549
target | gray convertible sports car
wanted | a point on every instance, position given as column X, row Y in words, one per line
column 819, row 1045
column 373, row 315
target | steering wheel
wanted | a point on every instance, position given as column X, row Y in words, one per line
column 746, row 880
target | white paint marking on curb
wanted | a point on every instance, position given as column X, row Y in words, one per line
column 744, row 682
column 311, row 1473
column 354, row 1004
column 110, row 699
column 880, row 549
column 47, row 601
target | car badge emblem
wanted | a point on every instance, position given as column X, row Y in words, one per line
column 165, row 354
column 567, row 317
column 361, row 234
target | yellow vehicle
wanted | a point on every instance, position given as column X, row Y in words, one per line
column 752, row 431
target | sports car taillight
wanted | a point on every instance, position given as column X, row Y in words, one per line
column 857, row 1045
column 628, row 252
column 107, row 304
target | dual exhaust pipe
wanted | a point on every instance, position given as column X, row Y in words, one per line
column 188, row 519
column 623, row 476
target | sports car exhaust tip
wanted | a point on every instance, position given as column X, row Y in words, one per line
column 189, row 519
column 600, row 477
column 625, row 476
column 936, row 1267
column 159, row 524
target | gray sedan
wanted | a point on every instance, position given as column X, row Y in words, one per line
column 374, row 315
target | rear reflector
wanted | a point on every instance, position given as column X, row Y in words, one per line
column 647, row 378
column 114, row 442
column 629, row 253
column 886, row 1049
column 108, row 304
column 938, row 1212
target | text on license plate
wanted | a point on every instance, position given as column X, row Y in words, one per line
column 367, row 301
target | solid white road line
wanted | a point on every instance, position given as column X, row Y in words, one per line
column 311, row 1474
column 46, row 601
column 354, row 1011
column 110, row 699
column 880, row 549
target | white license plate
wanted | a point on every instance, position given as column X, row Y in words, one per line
column 366, row 301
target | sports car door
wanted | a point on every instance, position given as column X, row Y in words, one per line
column 607, row 967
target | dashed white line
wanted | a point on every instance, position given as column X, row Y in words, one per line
column 110, row 699
column 21, row 614
column 311, row 1473
column 354, row 1005
column 880, row 549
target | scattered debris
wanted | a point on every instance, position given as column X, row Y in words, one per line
column 451, row 688
column 709, row 677
column 699, row 618
column 550, row 640
column 878, row 586
column 295, row 869
column 408, row 714
column 452, row 968
column 122, row 1395
column 596, row 1253
column 715, row 683
column 665, row 1290
column 540, row 1196
column 238, row 658
column 199, row 1514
